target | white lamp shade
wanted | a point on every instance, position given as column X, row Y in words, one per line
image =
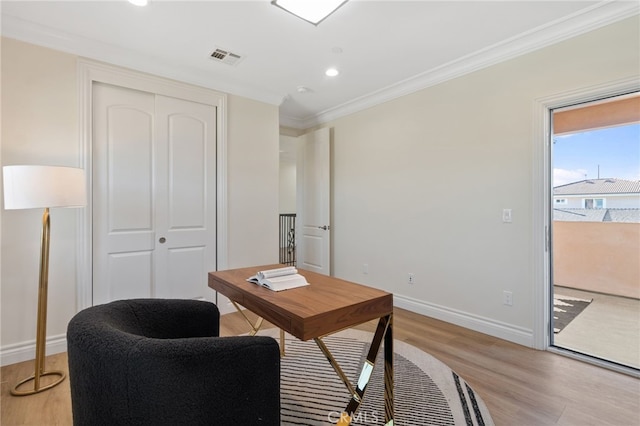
column 30, row 187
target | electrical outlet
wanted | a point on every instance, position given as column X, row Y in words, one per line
column 507, row 298
column 411, row 279
column 365, row 268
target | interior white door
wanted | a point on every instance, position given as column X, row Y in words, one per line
column 123, row 193
column 153, row 195
column 185, row 203
column 313, row 233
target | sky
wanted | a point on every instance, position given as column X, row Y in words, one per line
column 616, row 150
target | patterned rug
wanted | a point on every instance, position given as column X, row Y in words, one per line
column 426, row 391
column 565, row 309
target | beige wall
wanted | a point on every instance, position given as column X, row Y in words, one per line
column 253, row 182
column 287, row 187
column 419, row 183
column 599, row 257
column 288, row 172
column 40, row 126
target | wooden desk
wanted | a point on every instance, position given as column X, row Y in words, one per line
column 324, row 307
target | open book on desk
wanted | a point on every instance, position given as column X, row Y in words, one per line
column 279, row 279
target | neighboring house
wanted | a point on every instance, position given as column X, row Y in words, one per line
column 598, row 200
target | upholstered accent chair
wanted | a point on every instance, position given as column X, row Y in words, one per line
column 162, row 362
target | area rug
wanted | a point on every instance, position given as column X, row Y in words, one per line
column 426, row 391
column 565, row 309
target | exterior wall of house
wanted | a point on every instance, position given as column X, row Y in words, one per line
column 40, row 125
column 567, row 203
column 598, row 257
column 611, row 201
column 623, row 201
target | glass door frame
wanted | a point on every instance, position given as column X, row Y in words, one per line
column 543, row 208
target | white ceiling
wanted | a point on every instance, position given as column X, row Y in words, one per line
column 383, row 49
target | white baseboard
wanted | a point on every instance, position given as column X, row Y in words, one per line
column 25, row 351
column 520, row 335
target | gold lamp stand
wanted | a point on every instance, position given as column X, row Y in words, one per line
column 41, row 330
column 36, row 187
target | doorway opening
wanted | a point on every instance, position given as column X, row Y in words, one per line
column 287, row 206
column 305, row 188
column 595, row 230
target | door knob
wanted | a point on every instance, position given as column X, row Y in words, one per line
column 324, row 227
column 162, row 240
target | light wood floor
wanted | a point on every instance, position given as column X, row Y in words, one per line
column 520, row 386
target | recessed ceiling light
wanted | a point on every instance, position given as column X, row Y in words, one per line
column 314, row 11
column 139, row 2
column 331, row 72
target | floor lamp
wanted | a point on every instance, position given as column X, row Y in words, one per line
column 30, row 187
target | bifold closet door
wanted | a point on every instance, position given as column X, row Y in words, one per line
column 153, row 195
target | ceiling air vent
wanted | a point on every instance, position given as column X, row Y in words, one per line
column 226, row 57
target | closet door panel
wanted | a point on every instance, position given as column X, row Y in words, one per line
column 123, row 193
column 186, row 149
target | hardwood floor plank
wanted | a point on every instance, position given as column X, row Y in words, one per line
column 48, row 408
column 521, row 386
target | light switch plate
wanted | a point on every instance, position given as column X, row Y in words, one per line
column 507, row 216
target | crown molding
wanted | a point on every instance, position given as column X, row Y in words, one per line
column 41, row 35
column 589, row 19
column 594, row 17
column 296, row 122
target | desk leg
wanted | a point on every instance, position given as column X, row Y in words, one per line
column 256, row 327
column 383, row 332
column 282, row 342
column 388, row 374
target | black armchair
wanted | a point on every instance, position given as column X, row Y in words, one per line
column 161, row 362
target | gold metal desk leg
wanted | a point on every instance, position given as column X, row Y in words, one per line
column 256, row 327
column 335, row 365
column 383, row 332
column 388, row 374
column 282, row 342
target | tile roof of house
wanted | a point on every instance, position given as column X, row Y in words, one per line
column 597, row 215
column 599, row 186
column 579, row 215
column 623, row 215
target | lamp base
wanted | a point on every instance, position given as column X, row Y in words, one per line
column 16, row 392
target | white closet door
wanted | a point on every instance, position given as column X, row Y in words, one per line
column 186, row 161
column 124, row 231
column 153, row 195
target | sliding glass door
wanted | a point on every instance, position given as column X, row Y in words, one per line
column 595, row 229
